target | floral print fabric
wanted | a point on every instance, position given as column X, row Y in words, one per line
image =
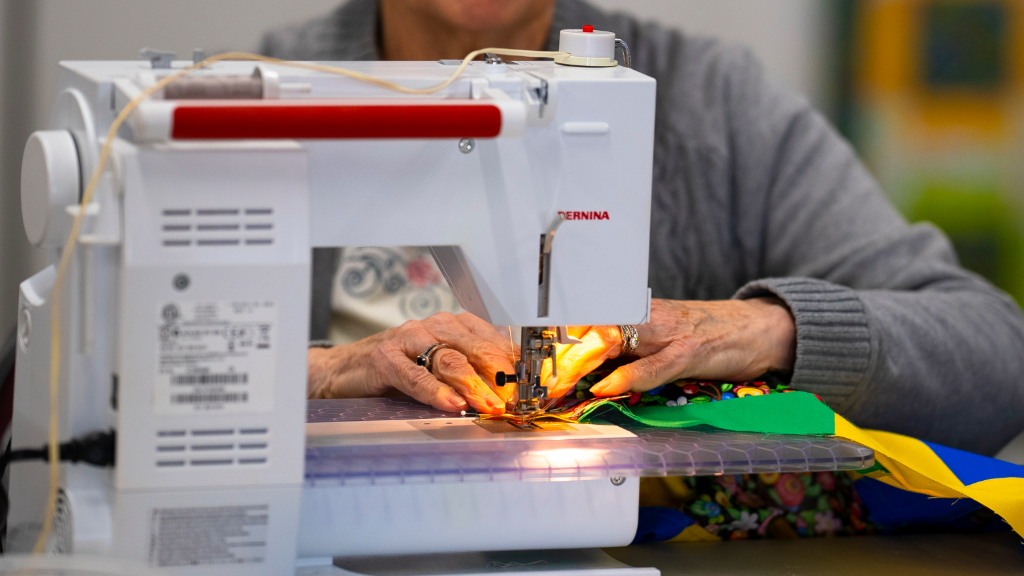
column 680, row 392
column 787, row 505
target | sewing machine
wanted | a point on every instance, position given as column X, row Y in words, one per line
column 185, row 315
column 186, row 307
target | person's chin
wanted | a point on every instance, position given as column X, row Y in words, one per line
column 482, row 15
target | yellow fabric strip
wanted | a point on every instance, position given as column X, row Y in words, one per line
column 1005, row 496
column 694, row 533
column 914, row 467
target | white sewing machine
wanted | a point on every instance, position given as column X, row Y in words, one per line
column 186, row 313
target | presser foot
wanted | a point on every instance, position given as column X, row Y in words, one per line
column 522, row 422
column 521, row 418
column 537, row 346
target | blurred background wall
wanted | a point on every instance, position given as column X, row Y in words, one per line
column 36, row 34
column 932, row 98
column 928, row 91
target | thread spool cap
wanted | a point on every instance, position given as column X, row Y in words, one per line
column 587, row 47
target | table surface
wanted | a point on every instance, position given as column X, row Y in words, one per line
column 909, row 555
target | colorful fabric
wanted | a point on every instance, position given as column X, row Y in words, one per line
column 752, row 506
column 680, row 392
column 660, row 524
column 902, row 462
column 914, row 465
column 796, row 505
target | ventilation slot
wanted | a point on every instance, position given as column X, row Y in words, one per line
column 214, row 432
column 218, row 212
column 216, row 227
column 201, row 447
column 221, row 462
column 178, row 448
column 218, row 242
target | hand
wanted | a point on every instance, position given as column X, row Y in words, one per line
column 731, row 340
column 461, row 376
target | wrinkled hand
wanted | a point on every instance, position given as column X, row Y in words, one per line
column 461, row 376
column 731, row 340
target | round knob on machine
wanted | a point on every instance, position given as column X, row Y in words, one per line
column 50, row 181
column 587, row 47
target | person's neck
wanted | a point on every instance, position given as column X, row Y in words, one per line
column 407, row 34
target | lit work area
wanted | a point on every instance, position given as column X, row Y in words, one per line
column 461, row 287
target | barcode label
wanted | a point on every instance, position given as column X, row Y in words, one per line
column 215, row 356
column 225, row 378
column 209, row 398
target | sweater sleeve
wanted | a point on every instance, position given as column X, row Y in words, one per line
column 891, row 331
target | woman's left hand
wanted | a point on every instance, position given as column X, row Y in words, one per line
column 727, row 340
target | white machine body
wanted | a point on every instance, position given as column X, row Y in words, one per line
column 186, row 308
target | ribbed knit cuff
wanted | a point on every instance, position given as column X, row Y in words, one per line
column 833, row 343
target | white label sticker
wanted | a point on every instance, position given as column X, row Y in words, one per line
column 215, row 356
column 208, row 535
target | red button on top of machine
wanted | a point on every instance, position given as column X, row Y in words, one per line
column 588, row 28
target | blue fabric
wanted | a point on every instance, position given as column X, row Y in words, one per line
column 892, row 507
column 657, row 524
column 971, row 468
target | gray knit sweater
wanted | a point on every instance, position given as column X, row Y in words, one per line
column 754, row 193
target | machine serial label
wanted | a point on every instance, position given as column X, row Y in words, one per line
column 208, row 535
column 215, row 356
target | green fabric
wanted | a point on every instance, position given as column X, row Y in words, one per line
column 876, row 467
column 789, row 413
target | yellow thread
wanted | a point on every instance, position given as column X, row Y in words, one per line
column 557, row 426
column 69, row 245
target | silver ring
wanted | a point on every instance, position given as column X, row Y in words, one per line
column 630, row 339
column 427, row 358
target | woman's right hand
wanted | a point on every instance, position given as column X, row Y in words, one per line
column 725, row 340
column 462, row 375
